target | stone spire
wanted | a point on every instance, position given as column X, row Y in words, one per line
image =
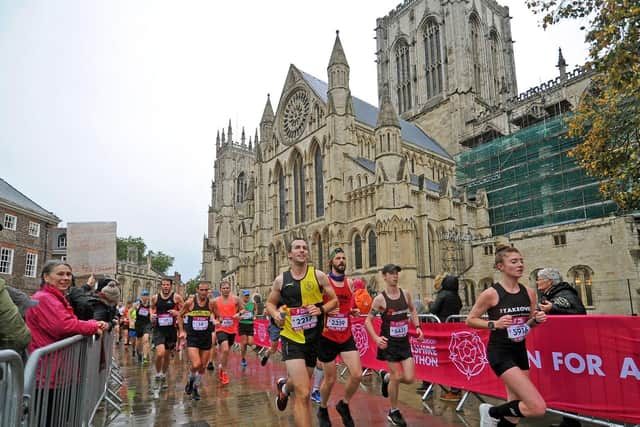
column 243, row 138
column 223, row 137
column 250, row 143
column 387, row 115
column 229, row 134
column 562, row 65
column 337, row 55
column 266, row 123
column 218, row 139
column 255, row 137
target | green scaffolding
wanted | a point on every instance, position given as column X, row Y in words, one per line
column 530, row 181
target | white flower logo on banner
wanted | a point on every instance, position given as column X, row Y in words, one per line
column 361, row 338
column 468, row 353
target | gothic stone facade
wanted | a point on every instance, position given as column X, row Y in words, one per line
column 340, row 173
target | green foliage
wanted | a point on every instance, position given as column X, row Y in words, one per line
column 160, row 261
column 608, row 117
column 122, row 245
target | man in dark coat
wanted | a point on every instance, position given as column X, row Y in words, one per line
column 558, row 297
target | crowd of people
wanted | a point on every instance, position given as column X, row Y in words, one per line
column 310, row 315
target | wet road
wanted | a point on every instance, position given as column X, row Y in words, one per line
column 249, row 399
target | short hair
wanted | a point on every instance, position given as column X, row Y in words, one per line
column 166, row 279
column 502, row 251
column 552, row 274
column 290, row 243
column 49, row 266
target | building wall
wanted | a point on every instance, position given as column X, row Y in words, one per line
column 22, row 243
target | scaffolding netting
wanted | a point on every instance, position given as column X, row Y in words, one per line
column 530, row 180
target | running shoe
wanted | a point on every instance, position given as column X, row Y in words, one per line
column 264, row 359
column 396, row 418
column 384, row 388
column 282, row 397
column 315, row 396
column 210, row 366
column 486, row 420
column 189, row 387
column 225, row 378
column 243, row 363
column 345, row 414
column 164, row 381
column 323, row 417
column 195, row 395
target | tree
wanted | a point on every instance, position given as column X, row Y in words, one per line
column 160, row 261
column 608, row 117
column 122, row 247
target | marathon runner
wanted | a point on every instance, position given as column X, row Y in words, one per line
column 198, row 310
column 143, row 327
column 165, row 308
column 247, row 314
column 396, row 310
column 301, row 290
column 227, row 312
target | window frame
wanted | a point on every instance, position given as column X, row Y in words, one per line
column 60, row 237
column 10, row 224
column 8, row 262
column 34, row 226
column 34, row 264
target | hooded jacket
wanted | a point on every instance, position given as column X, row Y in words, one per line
column 14, row 334
column 448, row 300
column 564, row 299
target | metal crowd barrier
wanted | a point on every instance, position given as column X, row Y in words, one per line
column 66, row 381
column 11, row 388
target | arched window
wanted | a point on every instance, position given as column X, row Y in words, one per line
column 357, row 247
column 403, row 76
column 476, row 60
column 432, row 58
column 581, row 277
column 373, row 255
column 281, row 200
column 319, row 179
column 298, row 190
column 433, row 252
column 241, row 187
column 495, row 48
column 320, row 251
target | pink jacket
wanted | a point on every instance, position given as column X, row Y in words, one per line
column 53, row 319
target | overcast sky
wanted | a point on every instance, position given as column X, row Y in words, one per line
column 109, row 109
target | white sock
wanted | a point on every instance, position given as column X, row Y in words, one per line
column 318, row 375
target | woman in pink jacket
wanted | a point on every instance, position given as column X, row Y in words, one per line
column 53, row 318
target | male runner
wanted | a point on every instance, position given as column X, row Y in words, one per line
column 165, row 308
column 227, row 312
column 143, row 327
column 301, row 290
column 396, row 310
column 247, row 314
column 337, row 340
column 198, row 310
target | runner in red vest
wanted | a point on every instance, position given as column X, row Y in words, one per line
column 337, row 340
column 227, row 309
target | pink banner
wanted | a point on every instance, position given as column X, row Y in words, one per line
column 589, row 365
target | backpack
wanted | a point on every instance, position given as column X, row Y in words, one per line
column 363, row 300
column 83, row 301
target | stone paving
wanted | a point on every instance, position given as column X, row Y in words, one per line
column 249, row 399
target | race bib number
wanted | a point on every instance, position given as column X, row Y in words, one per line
column 518, row 332
column 399, row 329
column 247, row 315
column 338, row 322
column 143, row 311
column 301, row 319
column 227, row 322
column 165, row 319
column 200, row 324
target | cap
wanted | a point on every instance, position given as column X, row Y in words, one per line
column 246, row 293
column 144, row 292
column 391, row 268
column 111, row 294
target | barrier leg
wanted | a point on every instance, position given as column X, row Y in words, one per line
column 427, row 392
column 462, row 400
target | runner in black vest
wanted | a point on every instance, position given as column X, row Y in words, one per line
column 165, row 317
column 143, row 327
column 512, row 313
column 198, row 313
column 397, row 311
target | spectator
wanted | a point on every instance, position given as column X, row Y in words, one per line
column 447, row 303
column 558, row 297
column 108, row 294
column 56, row 277
column 14, row 334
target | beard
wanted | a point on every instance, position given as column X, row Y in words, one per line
column 340, row 268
